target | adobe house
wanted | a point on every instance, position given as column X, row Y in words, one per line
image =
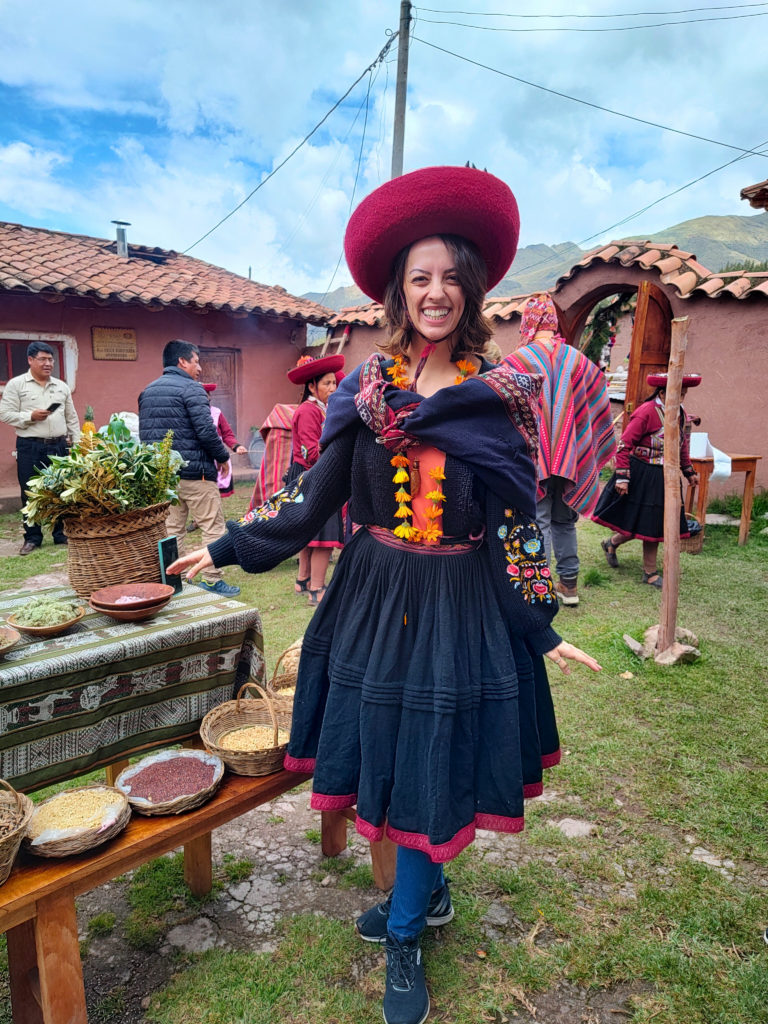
column 107, row 309
column 727, row 336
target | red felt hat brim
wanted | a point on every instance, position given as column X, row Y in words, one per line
column 431, row 201
column 659, row 380
column 210, row 387
column 315, row 368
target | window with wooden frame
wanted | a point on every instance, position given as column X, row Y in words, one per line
column 13, row 358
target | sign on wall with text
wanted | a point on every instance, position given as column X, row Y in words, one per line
column 114, row 343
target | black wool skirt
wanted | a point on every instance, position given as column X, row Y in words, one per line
column 640, row 512
column 416, row 704
column 332, row 534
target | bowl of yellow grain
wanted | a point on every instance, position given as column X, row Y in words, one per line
column 76, row 820
column 249, row 734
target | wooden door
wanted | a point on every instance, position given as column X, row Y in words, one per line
column 220, row 367
column 649, row 351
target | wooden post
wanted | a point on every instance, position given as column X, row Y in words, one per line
column 113, row 770
column 671, row 589
column 198, row 865
column 62, row 993
column 25, row 977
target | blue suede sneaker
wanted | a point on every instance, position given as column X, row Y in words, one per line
column 372, row 925
column 406, row 1000
column 219, row 587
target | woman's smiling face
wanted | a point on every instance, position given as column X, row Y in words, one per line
column 433, row 295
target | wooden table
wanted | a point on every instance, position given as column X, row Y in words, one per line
column 37, row 903
column 746, row 464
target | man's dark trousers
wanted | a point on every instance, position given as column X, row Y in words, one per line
column 32, row 454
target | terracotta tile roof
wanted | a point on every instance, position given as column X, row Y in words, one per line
column 54, row 264
column 372, row 314
column 676, row 267
column 757, row 195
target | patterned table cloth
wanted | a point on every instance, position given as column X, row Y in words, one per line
column 105, row 689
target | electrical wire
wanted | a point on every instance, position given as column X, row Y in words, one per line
column 354, row 189
column 587, row 103
column 638, row 213
column 633, row 14
column 382, row 55
column 612, row 28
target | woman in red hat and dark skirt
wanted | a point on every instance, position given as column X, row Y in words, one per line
column 632, row 503
column 422, row 697
column 319, row 377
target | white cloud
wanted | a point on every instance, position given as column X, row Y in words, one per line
column 27, row 181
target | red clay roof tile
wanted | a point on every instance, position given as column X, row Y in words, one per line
column 34, row 259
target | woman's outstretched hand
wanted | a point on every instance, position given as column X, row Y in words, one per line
column 199, row 559
column 566, row 650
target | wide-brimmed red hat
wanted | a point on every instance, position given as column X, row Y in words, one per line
column 659, row 380
column 432, row 201
column 308, row 368
column 209, row 387
column 340, row 375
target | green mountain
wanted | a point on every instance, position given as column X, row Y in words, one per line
column 715, row 241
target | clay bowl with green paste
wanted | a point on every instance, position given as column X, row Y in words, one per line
column 131, row 596
column 8, row 637
column 46, row 631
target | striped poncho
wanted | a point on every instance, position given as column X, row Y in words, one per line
column 576, row 436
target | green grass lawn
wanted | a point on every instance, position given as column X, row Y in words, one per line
column 662, row 762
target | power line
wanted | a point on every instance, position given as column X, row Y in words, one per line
column 587, row 103
column 638, row 213
column 354, row 189
column 273, row 172
column 634, row 14
column 613, row 28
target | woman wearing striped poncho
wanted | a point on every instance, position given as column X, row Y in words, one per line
column 576, row 436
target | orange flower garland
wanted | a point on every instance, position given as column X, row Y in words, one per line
column 399, row 374
column 466, row 369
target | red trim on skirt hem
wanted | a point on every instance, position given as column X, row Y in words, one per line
column 299, row 764
column 321, row 802
column 635, row 536
column 532, row 790
column 550, row 760
column 442, row 852
column 325, row 544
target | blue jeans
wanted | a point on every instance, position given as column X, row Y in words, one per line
column 416, row 879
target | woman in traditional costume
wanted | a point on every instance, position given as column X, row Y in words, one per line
column 319, row 377
column 225, row 480
column 632, row 503
column 422, row 696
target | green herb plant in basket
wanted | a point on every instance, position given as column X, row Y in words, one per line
column 113, row 493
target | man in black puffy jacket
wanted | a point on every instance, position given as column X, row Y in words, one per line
column 177, row 402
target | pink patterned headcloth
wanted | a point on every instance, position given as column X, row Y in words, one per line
column 539, row 315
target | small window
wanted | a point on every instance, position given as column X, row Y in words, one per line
column 13, row 358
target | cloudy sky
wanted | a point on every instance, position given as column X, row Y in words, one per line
column 166, row 114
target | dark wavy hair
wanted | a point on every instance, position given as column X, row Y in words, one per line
column 473, row 331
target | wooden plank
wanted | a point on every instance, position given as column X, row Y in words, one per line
column 746, row 502
column 333, row 832
column 24, row 976
column 113, row 770
column 62, row 993
column 142, row 840
column 384, row 863
column 671, row 589
column 198, row 865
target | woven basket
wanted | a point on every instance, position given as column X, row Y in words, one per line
column 182, row 803
column 693, row 545
column 86, row 840
column 235, row 714
column 115, row 549
column 15, row 811
column 286, row 672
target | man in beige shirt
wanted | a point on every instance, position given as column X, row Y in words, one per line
column 40, row 408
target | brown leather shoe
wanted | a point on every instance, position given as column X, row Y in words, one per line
column 28, row 547
column 568, row 595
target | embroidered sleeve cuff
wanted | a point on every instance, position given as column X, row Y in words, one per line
column 689, row 471
column 222, row 551
column 544, row 640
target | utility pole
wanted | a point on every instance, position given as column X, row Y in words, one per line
column 401, row 94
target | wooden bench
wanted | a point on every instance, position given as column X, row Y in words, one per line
column 37, row 903
column 746, row 464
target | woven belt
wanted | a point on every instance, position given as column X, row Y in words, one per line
column 47, row 440
column 384, row 536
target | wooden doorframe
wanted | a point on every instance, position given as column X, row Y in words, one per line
column 235, row 353
column 647, row 293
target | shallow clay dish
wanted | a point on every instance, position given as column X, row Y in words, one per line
column 150, row 593
column 8, row 637
column 130, row 613
column 47, row 630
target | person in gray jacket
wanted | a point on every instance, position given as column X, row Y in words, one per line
column 177, row 402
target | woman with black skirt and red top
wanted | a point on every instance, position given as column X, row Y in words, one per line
column 632, row 503
column 422, row 697
column 320, row 378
